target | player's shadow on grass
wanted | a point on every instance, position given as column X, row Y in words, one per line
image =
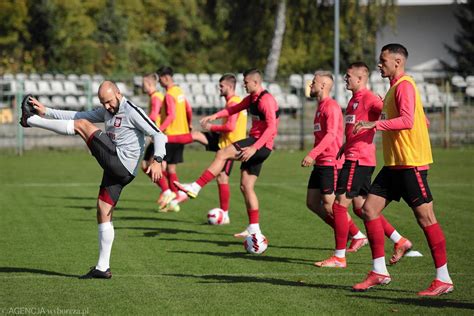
column 220, row 243
column 93, row 207
column 35, row 271
column 435, row 302
column 157, row 231
column 154, row 219
column 245, row 256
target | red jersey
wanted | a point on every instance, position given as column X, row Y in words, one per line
column 363, row 106
column 328, row 133
column 264, row 126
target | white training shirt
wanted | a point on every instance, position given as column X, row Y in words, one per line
column 127, row 130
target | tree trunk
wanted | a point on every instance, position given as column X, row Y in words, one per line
column 274, row 55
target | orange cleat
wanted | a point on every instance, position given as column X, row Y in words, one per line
column 243, row 234
column 400, row 249
column 437, row 288
column 373, row 279
column 332, row 262
column 356, row 244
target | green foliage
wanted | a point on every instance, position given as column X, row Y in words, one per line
column 464, row 51
column 122, row 37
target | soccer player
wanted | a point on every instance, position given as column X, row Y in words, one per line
column 175, row 119
column 407, row 155
column 328, row 133
column 118, row 150
column 354, row 179
column 232, row 129
column 156, row 100
column 252, row 151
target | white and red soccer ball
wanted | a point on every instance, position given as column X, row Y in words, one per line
column 215, row 216
column 256, row 243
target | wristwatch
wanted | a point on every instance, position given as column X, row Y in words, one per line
column 158, row 159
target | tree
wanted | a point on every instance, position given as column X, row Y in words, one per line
column 277, row 41
column 464, row 52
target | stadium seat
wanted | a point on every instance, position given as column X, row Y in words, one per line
column 60, row 77
column 281, row 101
column 417, row 76
column 85, row 77
column 95, row 101
column 204, row 78
column 470, row 91
column 57, row 101
column 200, row 100
column 196, row 88
column 98, row 77
column 57, row 87
column 31, row 87
column 71, row 102
column 8, row 76
column 178, row 78
column 71, row 88
column 123, row 88
column 47, row 76
column 239, row 90
column 215, row 77
column 275, row 89
column 73, row 77
column 216, row 101
column 240, row 78
column 21, row 76
column 94, row 87
column 34, row 77
column 296, row 81
column 191, row 78
column 470, row 81
column 210, row 89
column 375, row 77
column 82, row 101
column 44, row 88
column 293, row 101
column 186, row 88
column 45, row 100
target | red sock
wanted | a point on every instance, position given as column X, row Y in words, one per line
column 434, row 235
column 376, row 237
column 358, row 212
column 329, row 220
column 341, row 225
column 353, row 229
column 163, row 182
column 171, row 178
column 180, row 139
column 224, row 196
column 387, row 227
column 253, row 216
column 205, row 178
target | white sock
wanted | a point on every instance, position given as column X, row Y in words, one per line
column 442, row 274
column 340, row 253
column 226, row 214
column 106, row 238
column 63, row 127
column 395, row 236
column 254, row 228
column 359, row 235
column 379, row 266
column 166, row 192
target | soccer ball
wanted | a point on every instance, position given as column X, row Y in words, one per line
column 215, row 216
column 256, row 243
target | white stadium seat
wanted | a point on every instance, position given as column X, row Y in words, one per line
column 57, row 87
column 470, row 81
column 210, row 88
column 85, row 77
column 197, row 88
column 43, row 87
column 204, row 78
column 178, row 78
column 186, row 88
column 21, row 76
column 30, row 87
column 296, row 81
column 293, row 101
column 34, row 77
column 191, row 78
column 123, row 88
column 45, row 100
column 71, row 88
column 71, row 102
column 200, row 100
column 57, row 101
column 280, row 99
column 98, row 77
column 275, row 89
column 470, row 91
column 215, row 77
column 8, row 76
column 72, row 77
column 60, row 76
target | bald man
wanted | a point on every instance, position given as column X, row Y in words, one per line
column 251, row 151
column 353, row 182
column 118, row 150
column 407, row 156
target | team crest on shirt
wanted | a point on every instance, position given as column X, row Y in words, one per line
column 317, row 127
column 350, row 119
column 118, row 122
column 383, row 116
column 355, row 105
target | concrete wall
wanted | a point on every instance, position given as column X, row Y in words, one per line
column 423, row 30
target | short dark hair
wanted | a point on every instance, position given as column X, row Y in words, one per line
column 359, row 64
column 252, row 71
column 165, row 70
column 396, row 48
column 229, row 78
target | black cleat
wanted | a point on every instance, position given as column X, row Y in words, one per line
column 27, row 110
column 97, row 274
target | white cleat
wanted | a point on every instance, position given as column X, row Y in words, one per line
column 187, row 188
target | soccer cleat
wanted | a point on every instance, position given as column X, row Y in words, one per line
column 165, row 198
column 332, row 262
column 182, row 196
column 356, row 244
column 27, row 110
column 243, row 234
column 437, row 288
column 186, row 188
column 372, row 279
column 97, row 274
column 399, row 250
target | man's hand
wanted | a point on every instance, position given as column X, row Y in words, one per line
column 209, row 118
column 307, row 161
column 341, row 151
column 246, row 153
column 206, row 126
column 361, row 125
column 39, row 107
column 155, row 170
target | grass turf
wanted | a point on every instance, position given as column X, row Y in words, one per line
column 177, row 264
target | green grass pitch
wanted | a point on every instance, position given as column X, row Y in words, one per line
column 177, row 264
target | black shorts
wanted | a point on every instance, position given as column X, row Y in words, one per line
column 115, row 176
column 254, row 164
column 354, row 180
column 149, row 152
column 174, row 153
column 323, row 178
column 212, row 141
column 409, row 184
